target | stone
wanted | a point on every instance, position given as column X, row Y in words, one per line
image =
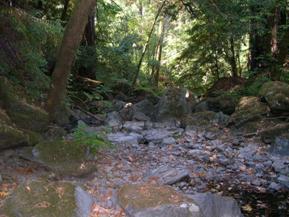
column 124, row 138
column 168, row 176
column 46, row 199
column 11, row 137
column 175, row 103
column 156, row 135
column 113, row 119
column 269, row 135
column 202, row 120
column 248, row 109
column 223, row 103
column 156, row 201
column 284, row 180
column 276, row 94
column 168, row 141
column 201, row 106
column 274, row 186
column 281, row 145
column 213, row 205
column 134, row 126
column 65, row 158
column 145, row 107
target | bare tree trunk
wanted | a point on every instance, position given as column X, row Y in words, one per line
column 64, row 11
column 147, row 43
column 160, row 50
column 233, row 61
column 71, row 40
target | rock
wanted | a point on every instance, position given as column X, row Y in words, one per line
column 156, row 135
column 46, row 199
column 281, row 145
column 168, row 176
column 276, row 94
column 248, row 109
column 124, row 138
column 175, row 103
column 284, row 180
column 156, row 201
column 274, row 186
column 213, row 205
column 134, row 126
column 145, row 107
column 139, row 116
column 126, row 114
column 203, row 120
column 118, row 105
column 223, row 103
column 113, row 120
column 11, row 137
column 201, row 106
column 65, row 158
column 168, row 141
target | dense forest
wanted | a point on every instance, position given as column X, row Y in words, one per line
column 165, row 108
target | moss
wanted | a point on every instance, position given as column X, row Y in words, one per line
column 65, row 157
column 40, row 198
column 148, row 196
column 11, row 136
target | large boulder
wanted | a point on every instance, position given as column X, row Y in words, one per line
column 24, row 115
column 47, row 199
column 156, row 201
column 11, row 137
column 65, row 158
column 205, row 119
column 175, row 103
column 276, row 94
column 248, row 109
column 223, row 103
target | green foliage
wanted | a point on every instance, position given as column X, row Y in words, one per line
column 252, row 88
column 28, row 41
column 93, row 140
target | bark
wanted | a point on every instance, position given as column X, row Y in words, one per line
column 70, row 43
column 147, row 44
column 233, row 61
column 65, row 7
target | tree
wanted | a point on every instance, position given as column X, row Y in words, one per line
column 71, row 40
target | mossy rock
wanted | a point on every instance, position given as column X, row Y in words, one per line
column 65, row 158
column 46, row 199
column 11, row 137
column 204, row 119
column 276, row 94
column 156, row 201
column 224, row 103
column 249, row 109
column 4, row 118
column 28, row 117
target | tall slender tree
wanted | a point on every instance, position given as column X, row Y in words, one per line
column 70, row 43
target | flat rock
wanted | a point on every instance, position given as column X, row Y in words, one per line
column 156, row 135
column 168, row 176
column 156, row 201
column 124, row 138
column 134, row 126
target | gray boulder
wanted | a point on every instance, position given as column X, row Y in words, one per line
column 175, row 103
column 213, row 205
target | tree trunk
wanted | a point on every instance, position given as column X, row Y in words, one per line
column 233, row 61
column 147, row 44
column 64, row 11
column 159, row 52
column 70, row 43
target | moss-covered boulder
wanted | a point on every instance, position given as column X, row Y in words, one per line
column 65, row 158
column 276, row 94
column 223, row 103
column 11, row 136
column 48, row 199
column 204, row 120
column 175, row 103
column 249, row 109
column 156, row 201
column 24, row 115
